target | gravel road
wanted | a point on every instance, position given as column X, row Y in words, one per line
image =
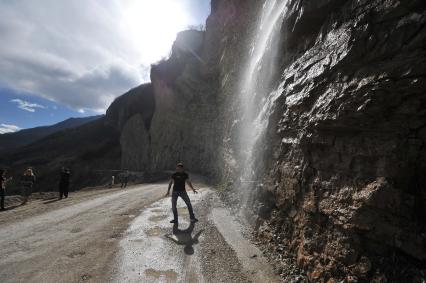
column 125, row 236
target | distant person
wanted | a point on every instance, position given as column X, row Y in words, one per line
column 124, row 178
column 28, row 180
column 64, row 183
column 179, row 179
column 3, row 181
column 112, row 181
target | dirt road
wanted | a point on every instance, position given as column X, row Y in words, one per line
column 125, row 236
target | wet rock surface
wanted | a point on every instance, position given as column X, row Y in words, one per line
column 345, row 146
column 339, row 186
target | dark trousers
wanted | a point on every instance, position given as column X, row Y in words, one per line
column 2, row 195
column 124, row 183
column 63, row 190
column 187, row 201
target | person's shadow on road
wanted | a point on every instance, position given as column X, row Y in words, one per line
column 185, row 238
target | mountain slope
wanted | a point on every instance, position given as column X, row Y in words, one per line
column 88, row 150
column 28, row 136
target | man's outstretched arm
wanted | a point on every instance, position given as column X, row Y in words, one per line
column 170, row 186
column 191, row 186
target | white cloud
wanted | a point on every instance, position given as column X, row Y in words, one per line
column 27, row 106
column 83, row 54
column 5, row 128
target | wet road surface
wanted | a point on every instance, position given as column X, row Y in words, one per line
column 125, row 236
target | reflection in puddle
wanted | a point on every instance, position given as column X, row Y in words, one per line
column 168, row 275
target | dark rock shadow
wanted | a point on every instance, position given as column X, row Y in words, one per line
column 185, row 238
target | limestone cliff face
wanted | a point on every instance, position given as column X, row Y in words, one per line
column 182, row 126
column 131, row 115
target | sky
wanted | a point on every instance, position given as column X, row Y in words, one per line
column 72, row 58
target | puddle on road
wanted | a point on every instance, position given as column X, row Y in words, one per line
column 148, row 255
column 153, row 232
column 192, row 277
column 157, row 218
column 76, row 230
column 168, row 275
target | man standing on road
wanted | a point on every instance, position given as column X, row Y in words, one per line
column 125, row 178
column 179, row 178
column 64, row 182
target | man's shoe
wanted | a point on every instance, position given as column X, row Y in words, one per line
column 174, row 221
column 193, row 220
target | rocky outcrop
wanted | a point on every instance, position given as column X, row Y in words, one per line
column 183, row 128
column 135, row 144
column 131, row 115
column 139, row 100
column 346, row 155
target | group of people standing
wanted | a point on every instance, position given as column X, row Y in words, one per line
column 178, row 181
column 27, row 182
column 124, row 179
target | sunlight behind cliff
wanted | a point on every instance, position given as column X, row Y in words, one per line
column 153, row 26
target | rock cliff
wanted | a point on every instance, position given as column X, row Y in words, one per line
column 339, row 177
column 345, row 157
column 131, row 115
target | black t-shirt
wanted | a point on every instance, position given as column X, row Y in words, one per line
column 179, row 181
column 65, row 177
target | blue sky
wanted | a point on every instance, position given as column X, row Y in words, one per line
column 72, row 58
column 46, row 112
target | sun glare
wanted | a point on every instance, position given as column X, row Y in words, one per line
column 153, row 25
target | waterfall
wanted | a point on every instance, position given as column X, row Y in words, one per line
column 256, row 96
